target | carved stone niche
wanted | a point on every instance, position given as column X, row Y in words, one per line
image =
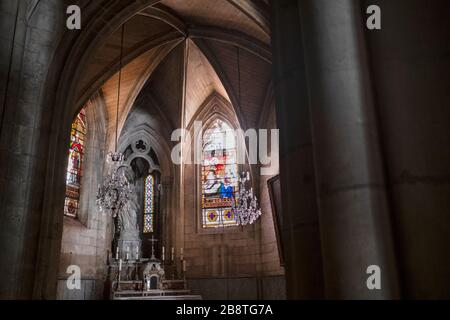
column 154, row 276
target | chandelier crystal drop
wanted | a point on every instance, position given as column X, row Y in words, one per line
column 246, row 208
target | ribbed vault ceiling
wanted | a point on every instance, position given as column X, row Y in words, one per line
column 198, row 37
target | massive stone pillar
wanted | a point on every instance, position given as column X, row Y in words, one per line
column 353, row 207
column 300, row 230
column 411, row 64
column 30, row 35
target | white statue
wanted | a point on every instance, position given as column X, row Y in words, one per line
column 129, row 213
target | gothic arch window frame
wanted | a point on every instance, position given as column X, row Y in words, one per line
column 164, row 170
column 215, row 107
column 141, row 146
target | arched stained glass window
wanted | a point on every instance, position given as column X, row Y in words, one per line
column 75, row 166
column 149, row 212
column 219, row 176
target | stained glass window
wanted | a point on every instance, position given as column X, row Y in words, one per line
column 219, row 176
column 75, row 166
column 149, row 212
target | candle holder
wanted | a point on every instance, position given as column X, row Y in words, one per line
column 117, row 253
column 184, row 269
column 118, row 275
column 136, row 273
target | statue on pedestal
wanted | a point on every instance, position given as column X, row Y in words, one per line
column 127, row 239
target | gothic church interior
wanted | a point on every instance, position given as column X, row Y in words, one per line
column 126, row 150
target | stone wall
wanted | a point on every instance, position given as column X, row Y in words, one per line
column 86, row 248
column 269, row 246
column 270, row 255
column 88, row 290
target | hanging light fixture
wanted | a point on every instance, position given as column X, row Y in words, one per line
column 116, row 189
column 246, row 208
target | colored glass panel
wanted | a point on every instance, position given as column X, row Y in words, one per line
column 149, row 221
column 75, row 164
column 219, row 176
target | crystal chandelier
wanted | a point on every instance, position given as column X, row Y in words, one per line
column 245, row 208
column 116, row 189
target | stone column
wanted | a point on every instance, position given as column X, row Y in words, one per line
column 353, row 209
column 411, row 63
column 32, row 36
column 300, row 229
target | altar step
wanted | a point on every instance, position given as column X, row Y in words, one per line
column 161, row 298
column 155, row 295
